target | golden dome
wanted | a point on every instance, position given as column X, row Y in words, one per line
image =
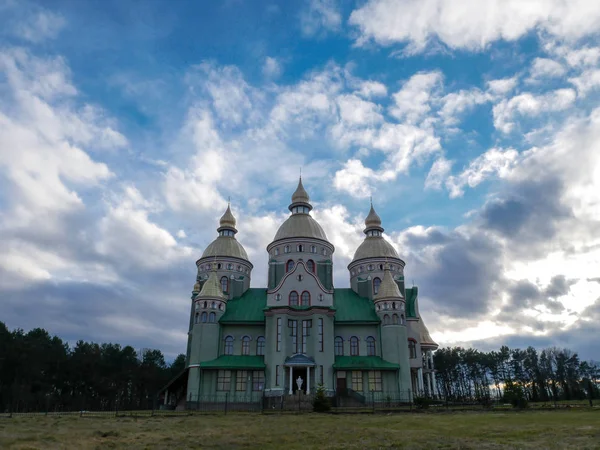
column 227, row 220
column 196, row 287
column 388, row 287
column 373, row 220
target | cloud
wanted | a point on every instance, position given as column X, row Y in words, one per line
column 587, row 81
column 412, row 102
column 458, row 24
column 438, row 173
column 272, row 67
column 319, row 17
column 546, row 68
column 502, row 86
column 42, row 26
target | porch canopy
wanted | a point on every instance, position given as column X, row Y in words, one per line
column 363, row 363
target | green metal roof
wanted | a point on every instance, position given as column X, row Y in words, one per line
column 411, row 296
column 246, row 309
column 351, row 308
column 235, row 362
column 363, row 363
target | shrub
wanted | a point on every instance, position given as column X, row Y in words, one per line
column 513, row 393
column 421, row 402
column 321, row 403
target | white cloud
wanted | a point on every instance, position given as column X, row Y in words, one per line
column 531, row 105
column 356, row 111
column 272, row 67
column 181, row 234
column 502, row 86
column 438, row 173
column 353, row 178
column 459, row 24
column 320, row 17
column 413, row 101
column 44, row 25
column 456, row 103
column 546, row 68
column 587, row 81
column 494, row 162
column 370, row 89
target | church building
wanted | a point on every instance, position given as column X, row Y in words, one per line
column 300, row 331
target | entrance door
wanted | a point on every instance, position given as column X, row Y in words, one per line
column 341, row 386
column 298, row 372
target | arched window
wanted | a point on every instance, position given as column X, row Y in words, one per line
column 321, row 297
column 339, row 346
column 246, row 345
column 300, row 248
column 225, row 284
column 370, row 346
column 376, row 284
column 229, row 266
column 213, row 305
column 393, row 305
column 310, row 265
column 353, row 346
column 402, row 319
column 412, row 349
column 313, row 249
column 212, row 317
column 219, row 266
column 286, row 249
column 196, row 318
column 277, row 251
column 386, row 319
column 205, row 305
column 204, row 317
column 289, row 266
column 228, row 350
column 260, row 346
column 293, row 298
column 395, row 319
column 305, row 298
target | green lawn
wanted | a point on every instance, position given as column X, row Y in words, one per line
column 576, row 429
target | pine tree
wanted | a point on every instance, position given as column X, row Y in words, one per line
column 321, row 402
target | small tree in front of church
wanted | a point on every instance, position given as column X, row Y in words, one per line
column 321, row 403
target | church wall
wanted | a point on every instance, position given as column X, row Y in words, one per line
column 309, row 283
column 360, row 331
column 395, row 350
column 238, row 332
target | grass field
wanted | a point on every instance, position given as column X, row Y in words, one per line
column 576, row 429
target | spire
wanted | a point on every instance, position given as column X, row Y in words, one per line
column 373, row 221
column 211, row 288
column 388, row 287
column 227, row 221
column 300, row 197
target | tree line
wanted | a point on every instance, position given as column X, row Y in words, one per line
column 39, row 372
column 515, row 375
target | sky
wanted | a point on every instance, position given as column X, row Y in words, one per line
column 475, row 127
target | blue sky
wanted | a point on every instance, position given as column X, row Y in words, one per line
column 125, row 126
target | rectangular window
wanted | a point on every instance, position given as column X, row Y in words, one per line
column 293, row 324
column 375, row 380
column 412, row 349
column 241, row 379
column 357, row 380
column 276, row 375
column 258, row 380
column 306, row 325
column 320, row 335
column 322, row 375
column 224, row 380
column 279, row 334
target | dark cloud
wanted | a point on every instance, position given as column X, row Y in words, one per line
column 524, row 294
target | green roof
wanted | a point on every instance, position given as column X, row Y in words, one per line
column 246, row 309
column 351, row 308
column 363, row 363
column 235, row 362
column 411, row 297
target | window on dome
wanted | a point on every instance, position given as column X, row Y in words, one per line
column 212, row 317
column 313, row 249
column 324, row 251
column 213, row 305
column 289, row 266
column 353, row 346
column 229, row 266
column 204, row 317
column 239, row 268
column 286, row 249
column 277, row 251
column 196, row 318
column 225, row 284
column 310, row 265
column 395, row 319
column 293, row 298
column 219, row 266
column 305, row 298
column 370, row 267
column 380, row 266
column 386, row 319
column 228, row 350
column 376, row 285
column 300, row 248
column 370, row 346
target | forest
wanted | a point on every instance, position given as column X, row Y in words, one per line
column 40, row 372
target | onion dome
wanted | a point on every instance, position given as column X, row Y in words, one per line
column 388, row 287
column 425, row 337
column 197, row 287
column 226, row 244
column 227, row 221
column 300, row 223
column 373, row 221
column 211, row 288
column 300, row 197
column 374, row 245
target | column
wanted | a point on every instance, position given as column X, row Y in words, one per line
column 431, row 393
column 420, row 379
column 166, row 397
column 291, row 381
column 308, row 380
